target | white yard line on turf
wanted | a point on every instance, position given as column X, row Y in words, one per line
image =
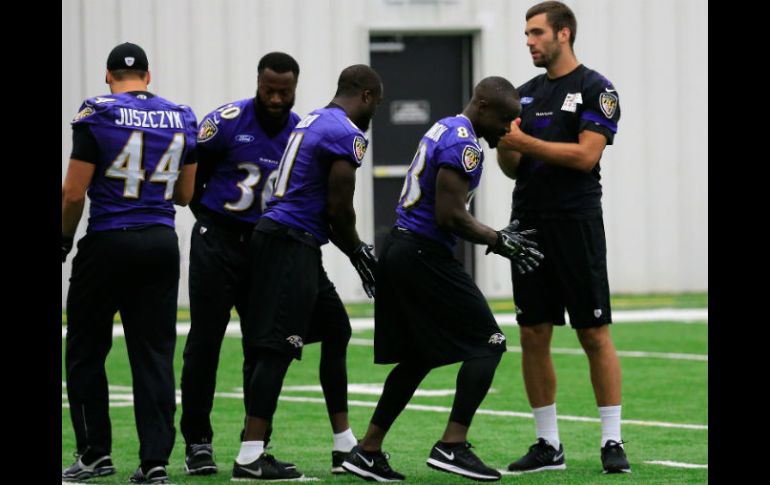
column 119, row 392
column 621, row 353
column 675, row 464
column 677, row 315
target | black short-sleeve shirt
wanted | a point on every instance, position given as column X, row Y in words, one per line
column 557, row 110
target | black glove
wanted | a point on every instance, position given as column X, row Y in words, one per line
column 365, row 263
column 516, row 247
column 66, row 246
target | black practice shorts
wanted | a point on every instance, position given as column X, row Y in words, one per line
column 291, row 300
column 573, row 275
column 427, row 307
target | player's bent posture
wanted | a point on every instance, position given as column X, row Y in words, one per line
column 292, row 302
column 428, row 310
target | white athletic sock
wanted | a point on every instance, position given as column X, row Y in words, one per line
column 344, row 441
column 545, row 422
column 250, row 451
column 610, row 416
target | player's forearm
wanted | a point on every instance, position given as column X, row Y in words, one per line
column 508, row 161
column 342, row 222
column 71, row 211
column 569, row 155
column 464, row 225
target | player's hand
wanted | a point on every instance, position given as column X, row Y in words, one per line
column 365, row 262
column 66, row 246
column 515, row 246
column 511, row 139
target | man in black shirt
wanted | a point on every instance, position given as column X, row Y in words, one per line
column 569, row 114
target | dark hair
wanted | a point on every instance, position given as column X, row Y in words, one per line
column 358, row 78
column 279, row 62
column 123, row 74
column 558, row 17
column 493, row 86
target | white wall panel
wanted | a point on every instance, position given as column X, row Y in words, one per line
column 204, row 53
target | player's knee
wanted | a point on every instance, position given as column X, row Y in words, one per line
column 535, row 337
column 594, row 339
column 336, row 341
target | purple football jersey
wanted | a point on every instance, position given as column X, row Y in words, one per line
column 301, row 189
column 246, row 159
column 142, row 141
column 450, row 142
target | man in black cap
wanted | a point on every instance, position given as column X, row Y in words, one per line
column 132, row 153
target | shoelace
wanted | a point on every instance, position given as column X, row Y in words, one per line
column 544, row 449
column 616, row 444
column 201, row 448
column 382, row 461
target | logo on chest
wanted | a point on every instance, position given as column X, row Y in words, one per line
column 571, row 102
column 244, row 138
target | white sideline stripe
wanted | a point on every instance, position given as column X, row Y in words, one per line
column 679, row 315
column 675, row 464
column 621, row 353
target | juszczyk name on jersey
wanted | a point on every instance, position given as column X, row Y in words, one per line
column 149, row 119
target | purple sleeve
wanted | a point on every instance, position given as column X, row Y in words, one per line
column 465, row 158
column 350, row 147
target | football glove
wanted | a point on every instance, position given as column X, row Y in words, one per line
column 515, row 246
column 365, row 262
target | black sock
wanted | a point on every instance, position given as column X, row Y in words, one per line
column 150, row 464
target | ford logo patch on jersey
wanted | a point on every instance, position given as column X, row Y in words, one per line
column 244, row 138
column 527, row 100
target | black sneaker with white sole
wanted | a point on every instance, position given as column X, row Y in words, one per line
column 614, row 457
column 266, row 467
column 540, row 457
column 337, row 458
column 156, row 474
column 80, row 471
column 370, row 465
column 199, row 459
column 458, row 458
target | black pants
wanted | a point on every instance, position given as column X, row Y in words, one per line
column 136, row 273
column 292, row 303
column 219, row 280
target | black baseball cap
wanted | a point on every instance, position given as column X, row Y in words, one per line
column 127, row 56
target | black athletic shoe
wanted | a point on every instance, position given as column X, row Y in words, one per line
column 371, row 466
column 614, row 458
column 80, row 471
column 458, row 458
column 266, row 467
column 541, row 456
column 199, row 459
column 285, row 464
column 155, row 474
column 337, row 458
